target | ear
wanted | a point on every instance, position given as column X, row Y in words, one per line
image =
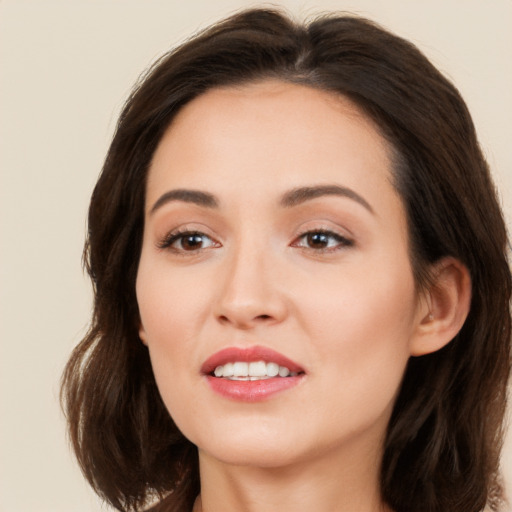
column 142, row 333
column 443, row 307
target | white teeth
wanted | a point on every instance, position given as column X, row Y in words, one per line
column 241, row 369
column 272, row 369
column 228, row 370
column 283, row 371
column 255, row 370
column 258, row 369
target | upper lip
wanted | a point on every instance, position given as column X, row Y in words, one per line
column 248, row 354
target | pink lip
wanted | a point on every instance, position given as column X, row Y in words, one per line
column 248, row 355
column 250, row 391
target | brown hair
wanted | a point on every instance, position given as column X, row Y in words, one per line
column 443, row 441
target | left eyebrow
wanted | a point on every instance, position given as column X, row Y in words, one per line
column 300, row 195
column 187, row 196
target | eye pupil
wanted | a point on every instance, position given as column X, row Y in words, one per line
column 317, row 240
column 191, row 242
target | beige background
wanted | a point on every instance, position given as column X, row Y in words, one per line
column 65, row 69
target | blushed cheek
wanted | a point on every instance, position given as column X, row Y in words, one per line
column 178, row 385
column 160, row 299
column 169, row 310
column 363, row 320
column 367, row 341
column 165, row 329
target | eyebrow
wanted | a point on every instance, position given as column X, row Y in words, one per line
column 187, row 196
column 302, row 194
column 291, row 198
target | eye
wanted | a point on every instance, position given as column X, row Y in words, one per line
column 321, row 240
column 187, row 241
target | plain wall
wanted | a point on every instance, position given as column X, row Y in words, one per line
column 65, row 69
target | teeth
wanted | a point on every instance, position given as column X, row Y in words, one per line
column 228, row 370
column 273, row 369
column 256, row 370
column 240, row 369
column 283, row 371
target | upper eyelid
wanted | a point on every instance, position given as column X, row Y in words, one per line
column 328, row 232
column 324, row 226
column 184, row 228
column 175, row 234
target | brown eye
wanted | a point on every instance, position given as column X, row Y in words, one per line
column 192, row 242
column 317, row 240
column 322, row 240
column 188, row 241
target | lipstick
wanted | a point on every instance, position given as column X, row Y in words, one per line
column 230, row 373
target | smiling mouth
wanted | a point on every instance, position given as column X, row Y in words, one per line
column 251, row 371
column 251, row 374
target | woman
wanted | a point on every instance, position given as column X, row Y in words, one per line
column 301, row 286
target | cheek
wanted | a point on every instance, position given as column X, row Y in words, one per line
column 169, row 303
column 362, row 325
column 174, row 306
column 368, row 303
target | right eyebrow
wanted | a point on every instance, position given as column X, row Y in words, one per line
column 187, row 196
column 302, row 194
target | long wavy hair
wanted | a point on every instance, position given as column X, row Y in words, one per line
column 442, row 447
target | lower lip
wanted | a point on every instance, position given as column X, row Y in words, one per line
column 251, row 390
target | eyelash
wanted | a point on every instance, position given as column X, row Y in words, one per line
column 175, row 236
column 340, row 241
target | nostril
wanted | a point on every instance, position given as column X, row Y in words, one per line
column 227, row 319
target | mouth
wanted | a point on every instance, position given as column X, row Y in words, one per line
column 256, row 370
column 251, row 374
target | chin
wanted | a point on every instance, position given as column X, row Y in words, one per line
column 257, row 447
column 254, row 456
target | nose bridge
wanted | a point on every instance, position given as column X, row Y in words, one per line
column 249, row 293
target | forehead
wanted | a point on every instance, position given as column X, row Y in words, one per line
column 273, row 133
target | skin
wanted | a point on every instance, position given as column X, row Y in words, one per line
column 350, row 313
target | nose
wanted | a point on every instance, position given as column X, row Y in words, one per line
column 250, row 293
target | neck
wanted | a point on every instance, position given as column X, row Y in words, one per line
column 331, row 483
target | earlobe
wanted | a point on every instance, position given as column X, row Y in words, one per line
column 444, row 308
column 142, row 334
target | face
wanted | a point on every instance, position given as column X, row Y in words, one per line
column 273, row 236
